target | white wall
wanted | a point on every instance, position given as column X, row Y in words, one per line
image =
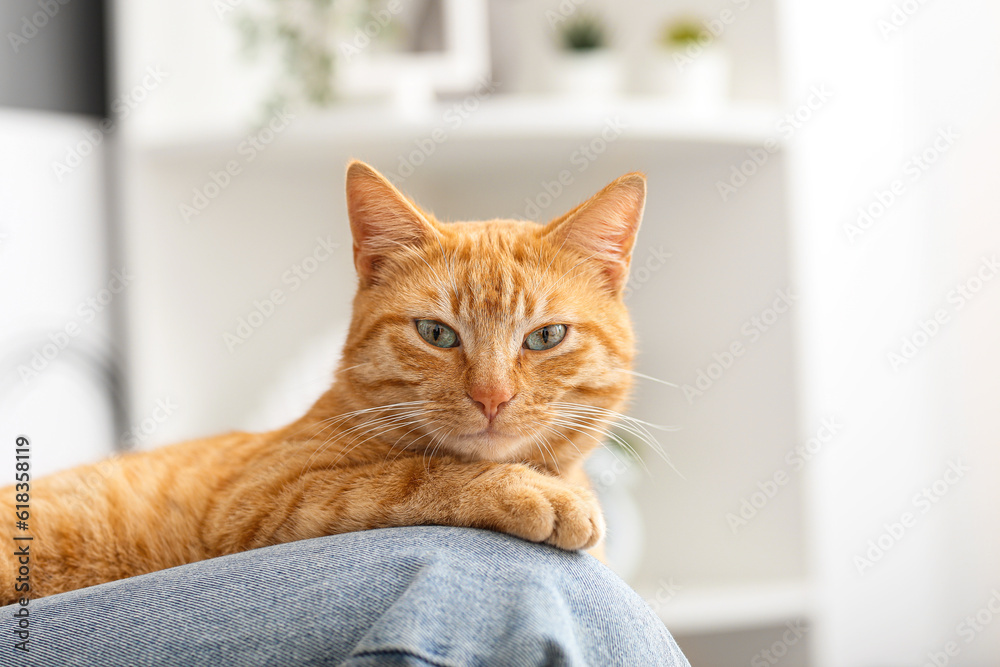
column 904, row 425
column 54, row 317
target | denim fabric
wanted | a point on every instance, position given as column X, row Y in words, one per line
column 401, row 596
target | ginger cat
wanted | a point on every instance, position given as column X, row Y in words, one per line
column 484, row 361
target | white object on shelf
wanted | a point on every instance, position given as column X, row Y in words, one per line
column 459, row 68
column 592, row 75
column 701, row 81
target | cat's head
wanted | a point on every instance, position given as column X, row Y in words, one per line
column 499, row 340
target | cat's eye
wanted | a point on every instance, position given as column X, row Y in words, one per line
column 545, row 338
column 437, row 334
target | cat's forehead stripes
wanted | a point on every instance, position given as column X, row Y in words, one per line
column 495, row 277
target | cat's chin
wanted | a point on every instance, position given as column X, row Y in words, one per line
column 489, row 444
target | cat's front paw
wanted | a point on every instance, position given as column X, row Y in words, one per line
column 540, row 508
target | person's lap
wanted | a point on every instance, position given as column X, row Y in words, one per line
column 403, row 596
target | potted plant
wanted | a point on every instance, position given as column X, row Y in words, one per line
column 691, row 66
column 586, row 66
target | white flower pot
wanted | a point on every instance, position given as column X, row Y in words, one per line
column 696, row 77
column 591, row 74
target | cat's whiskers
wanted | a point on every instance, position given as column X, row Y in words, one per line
column 637, row 431
column 398, row 411
column 562, row 435
column 395, row 443
column 648, row 439
column 612, row 451
column 388, row 428
column 572, row 425
column 618, row 416
column 544, row 447
column 333, row 425
column 379, row 427
column 646, row 377
column 337, row 438
column 537, row 443
column 319, row 424
column 388, row 425
column 614, row 420
column 405, row 447
column 374, row 408
column 435, row 445
column 323, row 424
column 603, row 443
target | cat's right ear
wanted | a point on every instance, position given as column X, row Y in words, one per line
column 383, row 220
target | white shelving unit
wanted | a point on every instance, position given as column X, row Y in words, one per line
column 502, row 117
column 727, row 257
column 196, row 278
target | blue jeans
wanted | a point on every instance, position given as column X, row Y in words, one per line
column 423, row 596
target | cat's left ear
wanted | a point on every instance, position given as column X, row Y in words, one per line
column 383, row 220
column 603, row 228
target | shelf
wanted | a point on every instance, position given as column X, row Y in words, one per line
column 733, row 608
column 544, row 119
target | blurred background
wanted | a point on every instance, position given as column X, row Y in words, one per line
column 814, row 278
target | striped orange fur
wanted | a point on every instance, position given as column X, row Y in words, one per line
column 486, row 434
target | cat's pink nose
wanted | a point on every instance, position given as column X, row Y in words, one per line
column 491, row 399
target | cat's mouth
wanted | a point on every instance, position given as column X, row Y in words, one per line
column 489, row 432
column 489, row 443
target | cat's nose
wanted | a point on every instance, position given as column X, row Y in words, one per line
column 490, row 399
